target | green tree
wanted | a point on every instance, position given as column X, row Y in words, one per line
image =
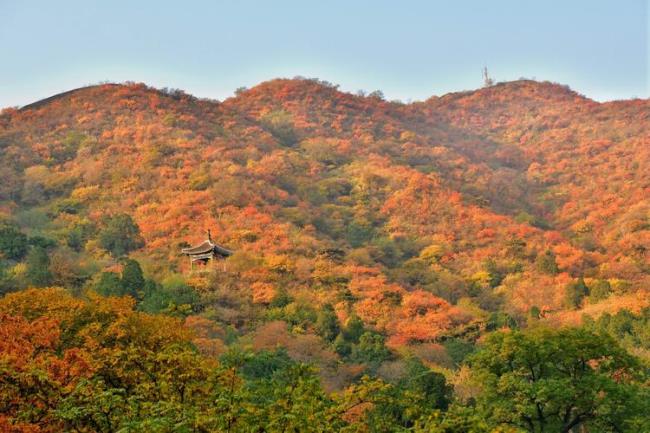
column 359, row 233
column 632, row 330
column 371, row 349
column 400, row 407
column 293, row 401
column 534, row 312
column 557, row 380
column 599, row 290
column 386, row 410
column 354, row 329
column 8, row 282
column 327, row 324
column 120, row 235
column 458, row 349
column 496, row 274
column 546, row 263
column 79, row 234
column 500, row 320
column 13, row 243
column 41, row 242
column 173, row 297
column 265, row 363
column 109, row 284
column 281, row 299
column 429, row 385
column 575, row 292
column 341, row 346
column 132, row 278
column 459, row 418
column 38, row 268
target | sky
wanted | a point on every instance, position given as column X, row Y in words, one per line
column 410, row 50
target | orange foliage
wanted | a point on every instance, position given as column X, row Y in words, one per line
column 462, row 177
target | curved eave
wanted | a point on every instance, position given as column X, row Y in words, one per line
column 203, row 248
column 222, row 251
column 208, row 248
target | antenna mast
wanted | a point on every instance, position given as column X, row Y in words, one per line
column 487, row 81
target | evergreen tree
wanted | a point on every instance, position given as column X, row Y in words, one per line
column 575, row 292
column 496, row 275
column 281, row 299
column 371, row 349
column 341, row 346
column 38, row 268
column 353, row 329
column 430, row 385
column 120, row 235
column 327, row 324
column 109, row 284
column 132, row 279
column 599, row 290
column 13, row 243
column 546, row 263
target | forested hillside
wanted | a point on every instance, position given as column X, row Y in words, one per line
column 387, row 258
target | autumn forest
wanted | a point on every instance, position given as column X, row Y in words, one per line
column 476, row 262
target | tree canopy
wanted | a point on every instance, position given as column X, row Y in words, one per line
column 559, row 380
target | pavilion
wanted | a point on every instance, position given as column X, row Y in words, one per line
column 206, row 252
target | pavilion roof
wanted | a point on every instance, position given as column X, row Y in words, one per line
column 207, row 246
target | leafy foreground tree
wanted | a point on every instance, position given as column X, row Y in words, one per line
column 565, row 380
column 98, row 365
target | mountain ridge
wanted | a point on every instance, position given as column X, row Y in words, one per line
column 559, row 88
column 476, row 202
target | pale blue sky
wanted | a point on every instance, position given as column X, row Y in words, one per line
column 408, row 49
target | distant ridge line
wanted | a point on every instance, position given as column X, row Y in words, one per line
column 564, row 90
column 41, row 102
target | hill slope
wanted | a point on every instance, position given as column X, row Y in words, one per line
column 423, row 219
